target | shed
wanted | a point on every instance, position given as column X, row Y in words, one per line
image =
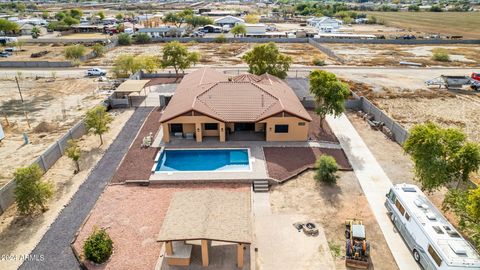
column 228, row 20
column 205, row 216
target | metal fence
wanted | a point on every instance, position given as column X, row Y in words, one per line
column 45, row 161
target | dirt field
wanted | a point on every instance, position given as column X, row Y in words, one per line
column 218, row 54
column 330, row 206
column 55, row 53
column 19, row 235
column 52, row 107
column 451, row 23
column 391, row 55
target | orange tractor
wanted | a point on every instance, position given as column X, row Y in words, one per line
column 357, row 247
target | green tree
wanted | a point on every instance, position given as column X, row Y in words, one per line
column 74, row 152
column 252, row 18
column 76, row 13
column 8, row 27
column 441, row 55
column 98, row 247
column 97, row 121
column 326, row 169
column 101, row 15
column 124, row 39
column 60, row 15
column 413, row 8
column 119, row 16
column 70, row 21
column 74, row 52
column 239, row 30
column 436, row 8
column 98, row 49
column 30, row 192
column 45, row 15
column 196, row 21
column 177, row 56
column 21, row 7
column 149, row 63
column 266, row 58
column 330, row 93
column 142, row 38
column 35, row 32
column 441, row 156
column 177, row 18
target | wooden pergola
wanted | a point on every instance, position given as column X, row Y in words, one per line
column 204, row 216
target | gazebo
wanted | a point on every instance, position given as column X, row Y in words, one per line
column 202, row 217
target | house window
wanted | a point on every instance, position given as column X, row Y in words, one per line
column 211, row 126
column 434, row 255
column 301, row 123
column 400, row 207
column 281, row 128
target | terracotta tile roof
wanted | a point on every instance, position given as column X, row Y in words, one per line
column 244, row 98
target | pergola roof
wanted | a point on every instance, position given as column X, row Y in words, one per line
column 130, row 86
column 210, row 214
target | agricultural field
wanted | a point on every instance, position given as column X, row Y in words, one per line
column 218, row 54
column 391, row 55
column 445, row 23
column 50, row 108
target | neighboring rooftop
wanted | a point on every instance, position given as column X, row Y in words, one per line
column 244, row 98
column 208, row 214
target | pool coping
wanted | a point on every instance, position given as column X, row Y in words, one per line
column 251, row 159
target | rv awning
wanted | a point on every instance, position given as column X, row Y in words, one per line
column 210, row 214
column 131, row 86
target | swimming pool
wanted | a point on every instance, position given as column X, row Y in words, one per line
column 203, row 160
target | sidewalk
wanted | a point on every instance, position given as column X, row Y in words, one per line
column 375, row 184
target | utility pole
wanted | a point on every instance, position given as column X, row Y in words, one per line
column 18, row 86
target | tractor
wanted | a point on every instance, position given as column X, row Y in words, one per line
column 357, row 247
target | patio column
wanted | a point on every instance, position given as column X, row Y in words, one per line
column 198, row 131
column 166, row 133
column 240, row 252
column 221, row 131
column 169, row 248
column 205, row 253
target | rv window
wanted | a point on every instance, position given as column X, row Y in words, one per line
column 407, row 216
column 434, row 255
column 400, row 207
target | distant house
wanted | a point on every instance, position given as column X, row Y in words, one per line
column 26, row 29
column 325, row 24
column 163, row 31
column 255, row 29
column 208, row 103
column 228, row 20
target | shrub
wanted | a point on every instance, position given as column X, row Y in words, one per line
column 318, row 62
column 441, row 56
column 30, row 192
column 98, row 50
column 98, row 247
column 74, row 52
column 220, row 39
column 124, row 39
column 142, row 38
column 326, row 168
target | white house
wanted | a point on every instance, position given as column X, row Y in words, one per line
column 163, row 31
column 255, row 29
column 325, row 24
column 228, row 20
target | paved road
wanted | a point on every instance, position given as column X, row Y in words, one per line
column 375, row 184
column 55, row 244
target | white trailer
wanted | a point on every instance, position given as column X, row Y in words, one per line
column 434, row 242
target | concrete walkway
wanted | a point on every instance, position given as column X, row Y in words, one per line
column 55, row 244
column 375, row 184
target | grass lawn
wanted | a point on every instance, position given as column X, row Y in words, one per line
column 447, row 23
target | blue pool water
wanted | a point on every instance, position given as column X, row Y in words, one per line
column 203, row 160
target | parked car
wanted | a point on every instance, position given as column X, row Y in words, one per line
column 211, row 29
column 197, row 34
column 96, row 72
column 5, row 54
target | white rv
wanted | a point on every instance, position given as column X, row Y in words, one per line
column 434, row 242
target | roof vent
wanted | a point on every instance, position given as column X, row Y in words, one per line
column 457, row 247
column 431, row 215
column 438, row 229
column 408, row 189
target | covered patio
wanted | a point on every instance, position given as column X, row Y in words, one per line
column 207, row 228
column 130, row 93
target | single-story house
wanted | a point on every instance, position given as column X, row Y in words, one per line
column 26, row 29
column 163, row 31
column 208, row 103
column 255, row 29
column 325, row 24
column 228, row 20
